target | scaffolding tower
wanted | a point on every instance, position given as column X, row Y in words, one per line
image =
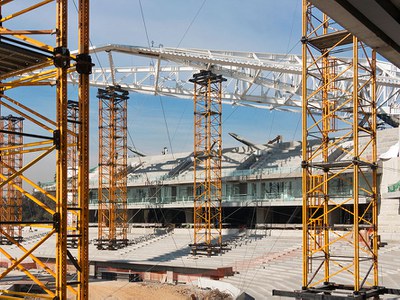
column 207, row 186
column 339, row 262
column 11, row 128
column 112, row 190
column 33, row 58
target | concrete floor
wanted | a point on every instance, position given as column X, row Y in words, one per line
column 263, row 261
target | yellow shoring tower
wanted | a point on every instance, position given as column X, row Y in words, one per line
column 339, row 150
column 112, row 212
column 11, row 204
column 27, row 61
column 340, row 114
column 207, row 184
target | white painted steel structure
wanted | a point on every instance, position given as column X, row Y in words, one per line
column 261, row 80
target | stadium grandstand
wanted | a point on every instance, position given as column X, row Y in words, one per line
column 261, row 185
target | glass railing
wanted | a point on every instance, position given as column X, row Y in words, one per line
column 189, row 199
column 268, row 197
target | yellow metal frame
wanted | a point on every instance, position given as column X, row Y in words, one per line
column 332, row 116
column 112, row 190
column 58, row 140
column 207, row 184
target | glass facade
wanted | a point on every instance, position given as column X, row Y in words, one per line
column 269, row 190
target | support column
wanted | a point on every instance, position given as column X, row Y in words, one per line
column 112, row 168
column 207, row 186
column 11, row 129
column 340, row 110
column 84, row 69
column 263, row 215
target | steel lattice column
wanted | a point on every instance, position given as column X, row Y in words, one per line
column 11, row 128
column 339, row 148
column 72, row 161
column 84, row 69
column 112, row 212
column 207, row 163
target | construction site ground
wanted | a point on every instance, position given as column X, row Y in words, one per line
column 262, row 260
column 118, row 290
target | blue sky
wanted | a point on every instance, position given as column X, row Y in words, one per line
column 256, row 25
column 262, row 26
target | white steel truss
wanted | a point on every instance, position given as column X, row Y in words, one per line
column 262, row 80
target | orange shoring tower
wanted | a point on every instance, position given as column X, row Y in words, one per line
column 112, row 212
column 207, row 191
column 29, row 62
column 11, row 128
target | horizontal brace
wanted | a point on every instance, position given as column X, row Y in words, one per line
column 29, row 45
column 27, row 134
column 74, row 208
column 74, row 121
column 74, row 235
column 17, row 84
column 25, row 223
column 4, row 2
column 18, row 32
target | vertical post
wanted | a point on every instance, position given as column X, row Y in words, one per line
column 374, row 195
column 207, row 190
column 326, row 121
column 84, row 68
column 356, row 229
column 305, row 176
column 61, row 157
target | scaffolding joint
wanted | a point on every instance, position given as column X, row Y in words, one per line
column 56, row 222
column 61, row 57
column 56, row 139
column 304, row 164
column 84, row 64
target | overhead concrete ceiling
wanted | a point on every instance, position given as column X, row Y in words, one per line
column 375, row 22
